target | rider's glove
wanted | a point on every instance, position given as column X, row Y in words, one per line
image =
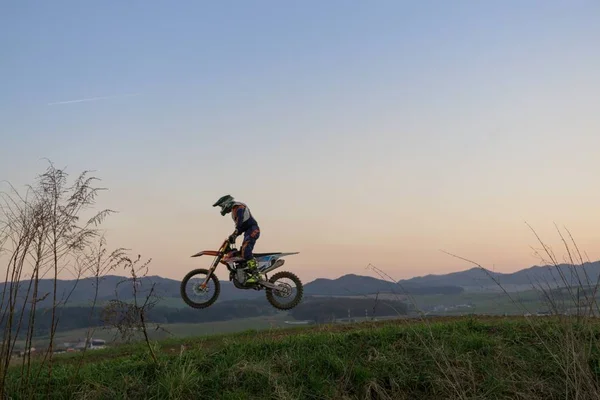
column 233, row 236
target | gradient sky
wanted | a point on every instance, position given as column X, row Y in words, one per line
column 358, row 132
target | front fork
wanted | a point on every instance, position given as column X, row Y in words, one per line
column 211, row 270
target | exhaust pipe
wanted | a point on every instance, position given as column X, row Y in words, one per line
column 277, row 264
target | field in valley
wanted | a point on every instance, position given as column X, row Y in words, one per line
column 470, row 302
column 165, row 331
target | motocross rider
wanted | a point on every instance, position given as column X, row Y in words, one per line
column 246, row 224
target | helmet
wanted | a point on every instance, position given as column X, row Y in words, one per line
column 226, row 204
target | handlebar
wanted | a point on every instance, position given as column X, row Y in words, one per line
column 225, row 243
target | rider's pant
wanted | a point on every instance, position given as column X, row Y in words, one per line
column 250, row 238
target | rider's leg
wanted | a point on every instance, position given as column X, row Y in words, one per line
column 250, row 238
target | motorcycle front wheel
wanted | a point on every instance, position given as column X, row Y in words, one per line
column 193, row 294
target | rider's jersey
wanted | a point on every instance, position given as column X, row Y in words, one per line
column 242, row 217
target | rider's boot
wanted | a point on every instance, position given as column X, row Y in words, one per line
column 251, row 269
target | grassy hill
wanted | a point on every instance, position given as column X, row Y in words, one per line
column 501, row 358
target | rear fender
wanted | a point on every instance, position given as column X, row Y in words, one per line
column 278, row 263
column 274, row 257
column 273, row 262
column 287, row 254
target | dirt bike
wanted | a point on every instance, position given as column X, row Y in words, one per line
column 230, row 257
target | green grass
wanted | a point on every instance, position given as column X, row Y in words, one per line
column 484, row 358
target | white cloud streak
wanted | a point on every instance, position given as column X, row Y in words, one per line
column 93, row 99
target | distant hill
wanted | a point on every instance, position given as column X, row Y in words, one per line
column 476, row 279
column 351, row 285
column 82, row 292
column 348, row 285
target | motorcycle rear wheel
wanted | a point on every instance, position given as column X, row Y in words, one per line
column 271, row 293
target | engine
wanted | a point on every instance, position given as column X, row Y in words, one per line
column 239, row 278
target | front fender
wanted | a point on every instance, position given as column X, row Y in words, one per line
column 206, row 253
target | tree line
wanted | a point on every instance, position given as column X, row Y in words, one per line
column 328, row 309
column 70, row 318
column 319, row 310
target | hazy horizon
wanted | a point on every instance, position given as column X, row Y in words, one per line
column 357, row 133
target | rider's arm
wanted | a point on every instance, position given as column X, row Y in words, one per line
column 238, row 218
